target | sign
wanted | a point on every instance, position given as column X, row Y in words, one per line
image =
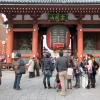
column 57, row 17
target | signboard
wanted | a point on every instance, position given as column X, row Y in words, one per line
column 57, row 17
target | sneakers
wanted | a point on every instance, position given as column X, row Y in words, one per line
column 88, row 87
column 62, row 94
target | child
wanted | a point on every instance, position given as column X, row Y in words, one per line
column 58, row 84
column 69, row 77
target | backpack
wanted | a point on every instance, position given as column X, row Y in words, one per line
column 20, row 67
column 47, row 64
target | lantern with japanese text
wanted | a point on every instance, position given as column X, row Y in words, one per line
column 58, row 37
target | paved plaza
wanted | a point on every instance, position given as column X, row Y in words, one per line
column 32, row 89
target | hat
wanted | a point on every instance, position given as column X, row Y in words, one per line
column 48, row 55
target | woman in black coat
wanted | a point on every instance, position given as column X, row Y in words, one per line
column 47, row 70
column 94, row 69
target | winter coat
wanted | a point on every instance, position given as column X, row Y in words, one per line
column 31, row 65
column 47, row 66
column 19, row 66
column 0, row 72
column 61, row 64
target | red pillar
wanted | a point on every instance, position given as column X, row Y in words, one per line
column 80, row 41
column 9, row 46
column 40, row 43
column 35, row 40
column 0, row 46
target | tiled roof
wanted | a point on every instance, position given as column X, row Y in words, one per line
column 49, row 1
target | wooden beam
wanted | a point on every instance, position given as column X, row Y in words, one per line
column 23, row 29
column 91, row 29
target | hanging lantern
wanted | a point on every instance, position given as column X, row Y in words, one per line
column 58, row 37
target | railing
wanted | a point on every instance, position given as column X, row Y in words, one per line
column 92, row 51
column 23, row 51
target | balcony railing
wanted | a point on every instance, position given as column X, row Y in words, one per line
column 23, row 51
column 92, row 51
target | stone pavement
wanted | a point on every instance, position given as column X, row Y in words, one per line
column 32, row 89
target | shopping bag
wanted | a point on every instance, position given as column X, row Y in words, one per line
column 98, row 71
column 53, row 82
column 84, row 81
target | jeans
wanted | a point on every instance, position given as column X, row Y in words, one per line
column 90, row 77
column 77, row 80
column 17, row 81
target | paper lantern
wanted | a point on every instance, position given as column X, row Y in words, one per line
column 58, row 37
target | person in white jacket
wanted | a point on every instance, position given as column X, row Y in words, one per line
column 30, row 65
column 90, row 72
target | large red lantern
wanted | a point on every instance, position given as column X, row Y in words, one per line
column 58, row 37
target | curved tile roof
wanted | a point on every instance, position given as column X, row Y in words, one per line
column 50, row 1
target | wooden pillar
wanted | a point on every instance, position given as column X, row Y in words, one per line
column 79, row 41
column 40, row 46
column 35, row 40
column 9, row 46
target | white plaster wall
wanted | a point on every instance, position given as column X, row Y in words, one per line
column 43, row 17
column 27, row 17
column 18, row 17
column 71, row 16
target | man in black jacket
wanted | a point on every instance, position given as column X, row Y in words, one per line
column 19, row 67
column 94, row 69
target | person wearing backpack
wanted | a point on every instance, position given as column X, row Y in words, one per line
column 19, row 67
column 47, row 70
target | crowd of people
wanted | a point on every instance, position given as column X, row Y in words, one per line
column 67, row 68
column 70, row 68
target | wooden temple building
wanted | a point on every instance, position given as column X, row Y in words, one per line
column 29, row 20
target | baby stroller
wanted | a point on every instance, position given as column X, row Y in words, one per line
column 58, row 84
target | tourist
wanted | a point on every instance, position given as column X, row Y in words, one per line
column 62, row 65
column 89, row 71
column 37, row 67
column 30, row 66
column 47, row 70
column 19, row 67
column 77, row 73
column 70, row 74
column 0, row 72
column 94, row 69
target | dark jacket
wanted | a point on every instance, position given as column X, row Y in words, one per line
column 61, row 64
column 95, row 67
column 19, row 66
column 47, row 64
column 0, row 69
column 0, row 72
column 47, row 67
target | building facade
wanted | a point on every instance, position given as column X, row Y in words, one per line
column 28, row 21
